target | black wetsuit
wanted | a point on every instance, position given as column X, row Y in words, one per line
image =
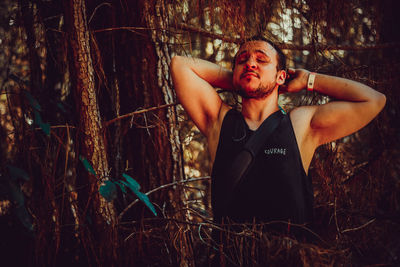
column 275, row 188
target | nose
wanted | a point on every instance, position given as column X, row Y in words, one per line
column 250, row 64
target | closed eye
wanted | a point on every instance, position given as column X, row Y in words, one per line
column 263, row 59
column 242, row 59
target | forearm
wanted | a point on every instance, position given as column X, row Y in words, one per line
column 214, row 74
column 344, row 89
column 358, row 104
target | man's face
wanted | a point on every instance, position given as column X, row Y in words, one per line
column 255, row 74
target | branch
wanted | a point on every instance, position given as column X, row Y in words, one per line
column 128, row 28
column 360, row 227
column 322, row 47
column 95, row 10
column 237, row 40
column 311, row 47
column 159, row 188
column 206, row 33
column 138, row 112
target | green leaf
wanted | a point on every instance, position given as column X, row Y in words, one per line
column 18, row 199
column 89, row 219
column 131, row 181
column 121, row 185
column 17, row 173
column 145, row 199
column 108, row 190
column 32, row 101
column 44, row 126
column 125, row 183
column 134, row 186
column 24, row 217
column 61, row 106
column 36, row 108
column 87, row 165
column 16, row 194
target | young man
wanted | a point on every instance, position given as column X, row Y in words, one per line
column 276, row 188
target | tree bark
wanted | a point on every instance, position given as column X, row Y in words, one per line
column 157, row 20
column 91, row 142
column 97, row 216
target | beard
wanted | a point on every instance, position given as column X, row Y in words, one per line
column 262, row 91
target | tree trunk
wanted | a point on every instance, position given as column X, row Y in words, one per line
column 157, row 20
column 150, row 141
column 151, row 144
column 99, row 240
column 92, row 141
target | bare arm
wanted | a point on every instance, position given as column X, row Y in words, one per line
column 194, row 80
column 356, row 105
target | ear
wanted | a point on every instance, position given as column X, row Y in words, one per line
column 281, row 77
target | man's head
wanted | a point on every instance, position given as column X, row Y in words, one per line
column 259, row 68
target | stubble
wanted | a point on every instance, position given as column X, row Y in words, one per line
column 259, row 93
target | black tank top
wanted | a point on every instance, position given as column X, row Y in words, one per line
column 275, row 188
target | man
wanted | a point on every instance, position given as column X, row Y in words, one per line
column 276, row 188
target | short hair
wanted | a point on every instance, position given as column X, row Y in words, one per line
column 281, row 56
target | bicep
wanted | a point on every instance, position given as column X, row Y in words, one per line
column 197, row 96
column 338, row 119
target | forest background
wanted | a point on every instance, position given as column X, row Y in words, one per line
column 100, row 166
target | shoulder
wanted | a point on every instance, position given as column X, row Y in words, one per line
column 301, row 117
column 302, row 114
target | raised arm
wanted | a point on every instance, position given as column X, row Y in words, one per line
column 194, row 80
column 355, row 106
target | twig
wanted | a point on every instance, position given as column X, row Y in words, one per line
column 59, row 126
column 159, row 188
column 138, row 112
column 122, row 28
column 360, row 227
column 95, row 10
column 132, row 29
column 336, row 221
column 223, row 227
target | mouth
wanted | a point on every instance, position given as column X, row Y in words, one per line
column 249, row 73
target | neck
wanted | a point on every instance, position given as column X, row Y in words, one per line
column 255, row 111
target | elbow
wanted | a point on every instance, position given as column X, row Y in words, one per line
column 174, row 65
column 177, row 65
column 175, row 62
column 175, row 59
column 377, row 102
column 381, row 101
